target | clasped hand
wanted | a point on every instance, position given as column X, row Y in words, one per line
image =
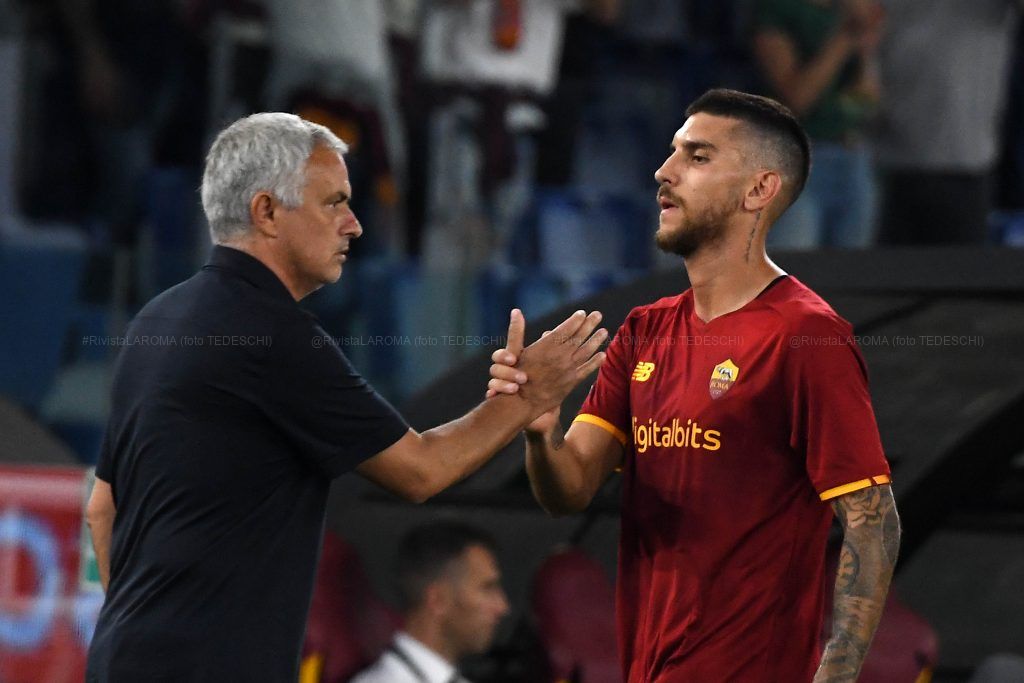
column 546, row 371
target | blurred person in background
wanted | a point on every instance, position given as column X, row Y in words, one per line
column 449, row 583
column 489, row 64
column 232, row 411
column 106, row 106
column 819, row 57
column 739, row 415
column 945, row 66
column 332, row 65
column 586, row 31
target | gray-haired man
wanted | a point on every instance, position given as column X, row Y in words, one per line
column 228, row 423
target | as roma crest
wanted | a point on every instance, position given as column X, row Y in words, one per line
column 723, row 377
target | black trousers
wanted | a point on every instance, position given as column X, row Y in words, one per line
column 930, row 208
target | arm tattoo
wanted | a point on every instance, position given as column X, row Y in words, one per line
column 871, row 539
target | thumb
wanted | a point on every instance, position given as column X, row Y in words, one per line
column 516, row 332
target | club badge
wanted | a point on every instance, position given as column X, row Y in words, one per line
column 723, row 377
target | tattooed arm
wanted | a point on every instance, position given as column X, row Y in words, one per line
column 871, row 542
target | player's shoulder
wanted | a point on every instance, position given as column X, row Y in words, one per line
column 657, row 310
column 804, row 311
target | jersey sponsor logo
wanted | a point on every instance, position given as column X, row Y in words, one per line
column 674, row 435
column 642, row 371
column 723, row 377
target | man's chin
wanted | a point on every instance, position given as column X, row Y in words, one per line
column 334, row 274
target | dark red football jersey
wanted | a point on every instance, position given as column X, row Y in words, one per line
column 735, row 431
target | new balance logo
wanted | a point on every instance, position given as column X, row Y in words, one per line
column 643, row 371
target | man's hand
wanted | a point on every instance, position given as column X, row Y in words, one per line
column 554, row 364
column 419, row 466
column 508, row 374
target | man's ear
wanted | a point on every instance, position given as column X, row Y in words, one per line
column 438, row 596
column 767, row 186
column 262, row 212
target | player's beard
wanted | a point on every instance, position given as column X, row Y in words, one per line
column 702, row 230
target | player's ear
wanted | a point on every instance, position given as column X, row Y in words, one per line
column 766, row 187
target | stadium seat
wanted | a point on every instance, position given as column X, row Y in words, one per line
column 40, row 285
column 573, row 603
column 348, row 625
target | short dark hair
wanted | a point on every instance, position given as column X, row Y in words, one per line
column 426, row 552
column 772, row 121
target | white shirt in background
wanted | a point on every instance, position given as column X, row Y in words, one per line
column 390, row 668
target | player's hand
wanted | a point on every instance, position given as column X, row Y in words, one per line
column 506, row 378
column 564, row 357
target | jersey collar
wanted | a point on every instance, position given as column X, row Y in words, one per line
column 249, row 268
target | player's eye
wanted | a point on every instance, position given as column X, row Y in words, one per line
column 699, row 158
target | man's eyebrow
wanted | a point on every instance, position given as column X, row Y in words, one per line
column 694, row 145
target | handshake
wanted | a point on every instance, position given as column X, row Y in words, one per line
column 544, row 372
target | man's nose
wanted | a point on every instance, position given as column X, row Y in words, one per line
column 352, row 226
column 502, row 606
column 661, row 175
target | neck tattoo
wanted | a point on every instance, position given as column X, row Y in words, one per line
column 750, row 240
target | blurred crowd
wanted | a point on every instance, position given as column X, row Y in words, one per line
column 466, row 117
column 502, row 151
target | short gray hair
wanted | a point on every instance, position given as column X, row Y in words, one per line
column 259, row 153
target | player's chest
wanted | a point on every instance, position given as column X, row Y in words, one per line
column 694, row 391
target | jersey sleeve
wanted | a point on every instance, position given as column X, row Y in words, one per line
column 607, row 404
column 105, row 459
column 319, row 401
column 832, row 423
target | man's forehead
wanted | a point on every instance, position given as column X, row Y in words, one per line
column 327, row 166
column 718, row 130
column 481, row 559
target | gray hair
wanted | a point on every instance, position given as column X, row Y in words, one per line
column 259, row 153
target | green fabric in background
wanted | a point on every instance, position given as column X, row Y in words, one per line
column 839, row 114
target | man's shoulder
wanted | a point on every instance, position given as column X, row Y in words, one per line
column 655, row 310
column 208, row 298
column 804, row 311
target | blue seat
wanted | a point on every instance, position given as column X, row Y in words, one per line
column 39, row 286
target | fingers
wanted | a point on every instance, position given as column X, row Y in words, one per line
column 575, row 329
column 590, row 323
column 516, row 332
column 506, row 374
column 590, row 366
column 568, row 327
column 590, row 347
column 500, row 386
column 505, row 357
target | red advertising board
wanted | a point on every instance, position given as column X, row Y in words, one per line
column 47, row 613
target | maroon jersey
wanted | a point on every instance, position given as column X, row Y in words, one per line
column 735, row 432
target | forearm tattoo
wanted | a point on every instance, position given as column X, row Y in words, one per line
column 871, row 541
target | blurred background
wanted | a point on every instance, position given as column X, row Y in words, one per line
column 502, row 154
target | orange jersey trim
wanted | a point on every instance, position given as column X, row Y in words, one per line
column 605, row 425
column 854, row 486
